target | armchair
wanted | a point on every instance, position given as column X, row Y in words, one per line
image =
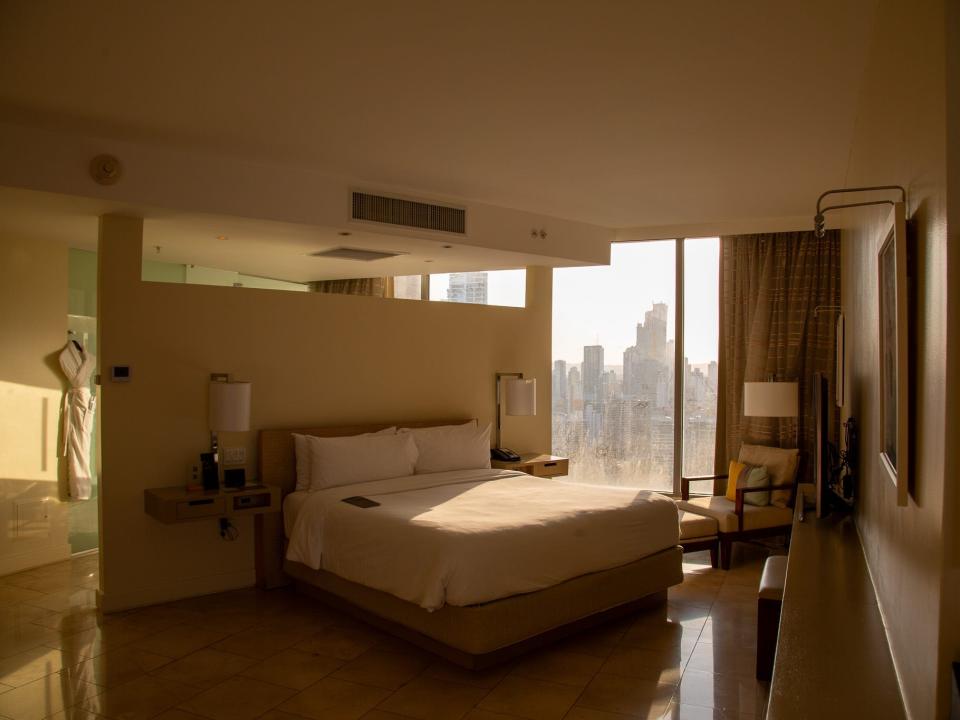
column 738, row 521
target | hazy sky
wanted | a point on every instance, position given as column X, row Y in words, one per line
column 602, row 305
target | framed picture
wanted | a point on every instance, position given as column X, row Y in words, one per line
column 894, row 352
column 841, row 367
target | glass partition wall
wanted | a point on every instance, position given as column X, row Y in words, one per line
column 617, row 360
column 483, row 287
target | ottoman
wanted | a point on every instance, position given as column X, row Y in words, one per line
column 699, row 532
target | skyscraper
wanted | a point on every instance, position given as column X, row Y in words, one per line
column 469, row 287
column 592, row 373
column 652, row 333
column 574, row 390
column 645, row 364
column 560, row 385
column 713, row 375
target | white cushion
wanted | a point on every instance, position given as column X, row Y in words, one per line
column 696, row 527
column 722, row 510
column 451, row 447
column 302, row 453
column 781, row 465
column 774, row 577
column 339, row 461
column 753, row 477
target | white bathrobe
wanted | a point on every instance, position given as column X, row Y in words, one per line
column 79, row 405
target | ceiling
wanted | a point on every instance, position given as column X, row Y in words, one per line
column 619, row 113
column 255, row 247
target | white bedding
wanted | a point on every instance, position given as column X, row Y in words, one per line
column 470, row 536
column 291, row 508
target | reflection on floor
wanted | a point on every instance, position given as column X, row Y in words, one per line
column 274, row 655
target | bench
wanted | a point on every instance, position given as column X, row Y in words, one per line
column 769, row 602
column 699, row 532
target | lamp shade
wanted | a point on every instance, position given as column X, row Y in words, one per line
column 229, row 406
column 521, row 396
column 770, row 399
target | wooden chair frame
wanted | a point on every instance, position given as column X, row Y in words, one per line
column 713, row 545
column 740, row 535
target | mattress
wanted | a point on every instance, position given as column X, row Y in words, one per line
column 473, row 536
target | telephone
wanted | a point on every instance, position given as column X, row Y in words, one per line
column 504, row 455
column 210, row 472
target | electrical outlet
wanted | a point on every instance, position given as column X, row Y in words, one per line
column 234, row 455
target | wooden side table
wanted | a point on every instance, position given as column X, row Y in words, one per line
column 534, row 464
column 177, row 504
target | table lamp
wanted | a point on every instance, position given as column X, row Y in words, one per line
column 771, row 399
column 517, row 395
column 229, row 411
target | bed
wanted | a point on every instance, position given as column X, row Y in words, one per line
column 475, row 565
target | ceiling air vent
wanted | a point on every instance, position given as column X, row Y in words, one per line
column 408, row 213
column 345, row 253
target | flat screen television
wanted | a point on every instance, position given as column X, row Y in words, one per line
column 833, row 468
column 822, row 451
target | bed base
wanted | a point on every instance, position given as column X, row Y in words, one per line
column 479, row 636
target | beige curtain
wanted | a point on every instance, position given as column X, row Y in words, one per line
column 770, row 286
column 375, row 286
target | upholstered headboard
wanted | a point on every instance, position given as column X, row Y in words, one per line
column 278, row 466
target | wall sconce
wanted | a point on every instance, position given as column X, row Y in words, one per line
column 819, row 222
column 517, row 395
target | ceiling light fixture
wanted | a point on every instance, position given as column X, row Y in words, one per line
column 348, row 253
column 819, row 221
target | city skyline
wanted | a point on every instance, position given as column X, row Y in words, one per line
column 619, row 428
column 601, row 305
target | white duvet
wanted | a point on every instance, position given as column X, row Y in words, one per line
column 471, row 536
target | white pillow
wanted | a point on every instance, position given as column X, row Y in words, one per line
column 451, row 447
column 339, row 461
column 302, row 451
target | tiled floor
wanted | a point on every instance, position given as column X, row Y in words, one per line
column 277, row 656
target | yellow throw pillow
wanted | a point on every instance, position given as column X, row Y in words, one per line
column 733, row 474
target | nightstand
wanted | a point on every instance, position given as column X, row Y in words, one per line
column 177, row 504
column 533, row 464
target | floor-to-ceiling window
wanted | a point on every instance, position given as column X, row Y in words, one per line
column 617, row 356
column 701, row 326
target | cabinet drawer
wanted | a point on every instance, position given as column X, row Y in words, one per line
column 549, row 469
column 201, row 507
column 251, row 503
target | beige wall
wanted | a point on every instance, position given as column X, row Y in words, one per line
column 33, row 327
column 312, row 359
column 900, row 138
column 950, row 626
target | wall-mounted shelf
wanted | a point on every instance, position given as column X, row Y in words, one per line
column 535, row 464
column 177, row 504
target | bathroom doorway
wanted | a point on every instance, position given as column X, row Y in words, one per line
column 84, row 522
